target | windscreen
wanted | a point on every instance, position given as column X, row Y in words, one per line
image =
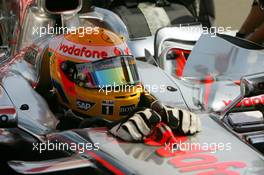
column 210, row 79
column 221, row 59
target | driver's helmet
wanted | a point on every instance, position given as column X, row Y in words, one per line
column 94, row 74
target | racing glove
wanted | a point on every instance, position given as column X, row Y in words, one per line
column 179, row 120
column 138, row 126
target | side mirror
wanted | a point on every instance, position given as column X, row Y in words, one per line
column 183, row 33
column 62, row 6
column 252, row 85
column 8, row 117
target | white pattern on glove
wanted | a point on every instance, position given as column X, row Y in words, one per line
column 137, row 127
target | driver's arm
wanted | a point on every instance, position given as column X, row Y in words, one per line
column 258, row 35
column 254, row 20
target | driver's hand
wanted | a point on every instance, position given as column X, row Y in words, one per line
column 179, row 120
column 137, row 126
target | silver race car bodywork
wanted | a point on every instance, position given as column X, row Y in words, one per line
column 220, row 148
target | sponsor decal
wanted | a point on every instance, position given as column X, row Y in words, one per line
column 117, row 51
column 82, row 52
column 84, row 105
column 248, row 102
column 124, row 110
column 197, row 158
column 107, row 107
column 8, row 110
column 196, row 161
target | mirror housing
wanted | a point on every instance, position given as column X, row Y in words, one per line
column 252, row 85
column 8, row 117
column 179, row 33
column 61, row 7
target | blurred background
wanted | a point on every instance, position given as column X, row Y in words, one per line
column 231, row 12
